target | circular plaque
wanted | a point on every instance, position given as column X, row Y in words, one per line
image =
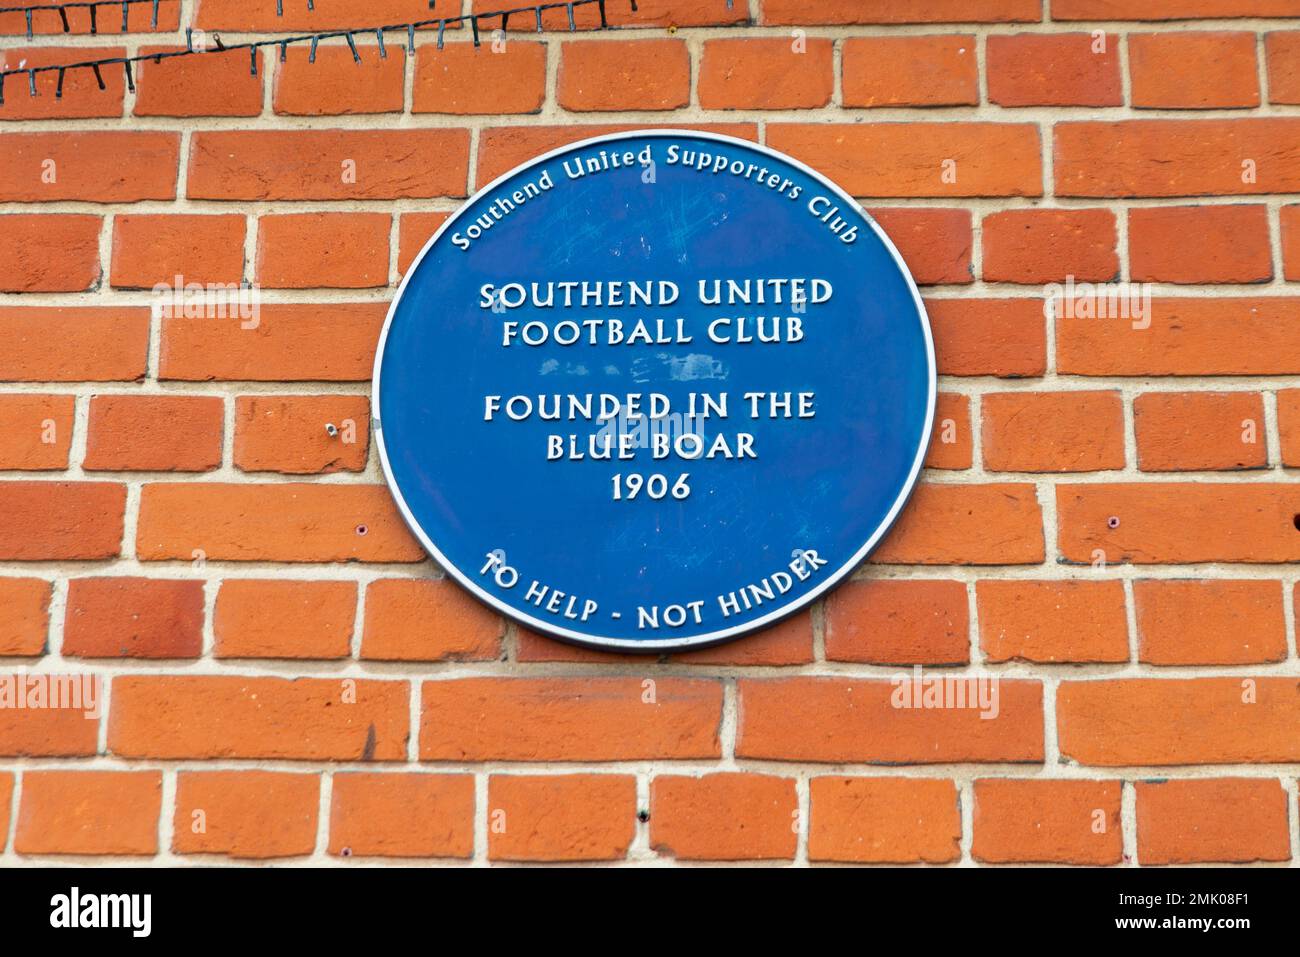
column 654, row 390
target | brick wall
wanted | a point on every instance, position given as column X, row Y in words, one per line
column 1109, row 523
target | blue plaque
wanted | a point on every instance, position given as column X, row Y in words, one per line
column 654, row 390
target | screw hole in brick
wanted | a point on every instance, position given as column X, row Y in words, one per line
column 1112, row 522
column 1295, row 520
column 361, row 529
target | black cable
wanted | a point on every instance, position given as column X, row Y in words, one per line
column 93, row 6
column 254, row 45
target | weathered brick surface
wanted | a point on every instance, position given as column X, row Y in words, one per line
column 402, row 815
column 884, row 820
column 246, row 814
column 553, row 817
column 191, row 507
column 1052, row 822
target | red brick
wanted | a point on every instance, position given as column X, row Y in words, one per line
column 133, row 618
column 1288, row 424
column 883, row 821
column 1282, row 57
column 1177, row 157
column 413, row 231
column 337, row 84
column 73, row 343
column 1152, row 721
column 947, row 524
column 607, row 75
column 150, row 249
column 1052, row 431
column 198, row 85
column 569, row 719
column 888, row 622
column 103, row 166
column 1047, row 245
column 1289, row 220
column 6, row 800
column 1211, row 622
column 284, row 619
column 89, row 812
column 997, row 337
column 53, row 521
column 49, row 253
column 910, row 71
column 290, row 522
column 795, row 12
column 402, row 815
column 561, row 817
column 326, row 164
column 1220, row 820
column 766, row 74
column 1054, row 69
column 421, row 620
column 1232, row 244
column 327, row 342
column 463, row 80
column 913, row 159
column 1186, row 337
column 154, row 433
column 530, row 646
column 1202, row 70
column 1047, row 822
column 53, row 732
column 24, row 617
column 950, row 442
column 312, row 719
column 501, row 149
column 81, row 96
column 1053, row 621
column 289, row 433
column 843, row 720
column 246, row 814
column 36, row 433
column 1185, row 431
column 243, row 17
column 648, row 13
column 1168, row 9
column 1179, row 522
column 789, row 642
column 935, row 243
column 323, row 250
column 139, row 19
column 724, row 817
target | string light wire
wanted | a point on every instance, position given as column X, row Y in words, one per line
column 93, row 6
column 489, row 17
